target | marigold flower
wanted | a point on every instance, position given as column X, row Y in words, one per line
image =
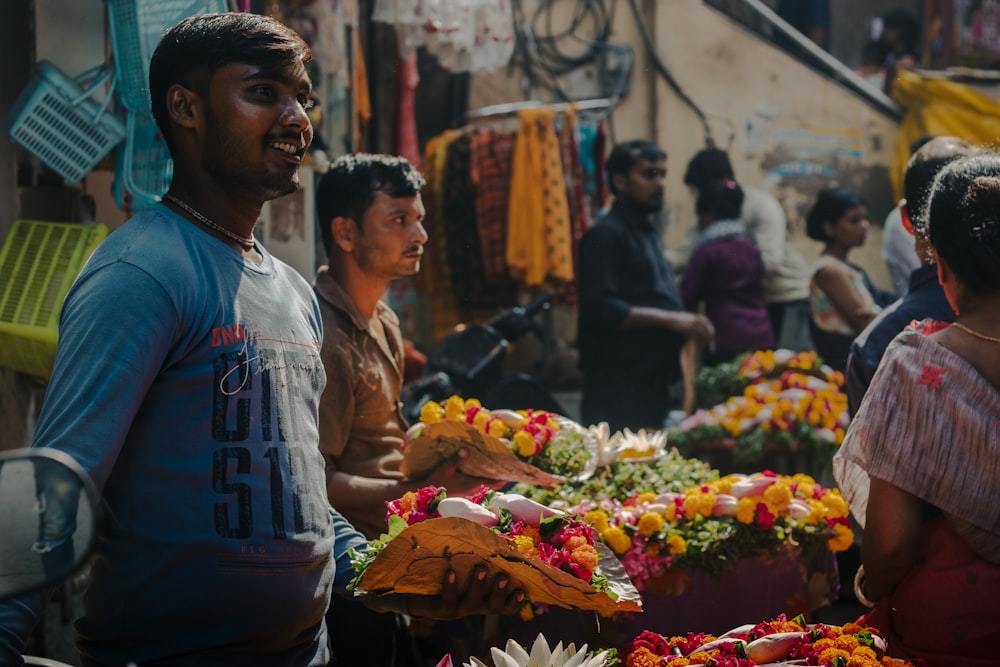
column 645, row 498
column 481, row 421
column 431, row 412
column 616, row 539
column 846, row 642
column 454, row 409
column 777, row 496
column 842, row 538
column 597, row 518
column 525, row 545
column 830, row 654
column 649, row 524
column 497, row 429
column 746, row 510
column 586, row 556
column 677, row 545
column 575, row 542
column 835, row 504
column 678, row 662
column 525, row 444
column 472, row 403
column 532, row 532
column 701, row 657
column 642, row 657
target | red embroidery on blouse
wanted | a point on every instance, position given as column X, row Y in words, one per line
column 932, row 376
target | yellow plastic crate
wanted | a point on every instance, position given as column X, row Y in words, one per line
column 38, row 263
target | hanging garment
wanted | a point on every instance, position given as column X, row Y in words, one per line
column 538, row 227
column 579, row 214
column 359, row 89
column 404, row 138
column 492, row 157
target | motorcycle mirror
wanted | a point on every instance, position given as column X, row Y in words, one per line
column 48, row 520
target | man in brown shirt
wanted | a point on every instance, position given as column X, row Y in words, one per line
column 370, row 214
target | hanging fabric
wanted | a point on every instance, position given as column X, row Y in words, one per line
column 490, row 169
column 538, row 228
column 359, row 88
column 404, row 139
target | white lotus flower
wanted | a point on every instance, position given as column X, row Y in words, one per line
column 542, row 656
column 643, row 445
column 608, row 446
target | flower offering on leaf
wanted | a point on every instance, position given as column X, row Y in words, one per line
column 773, row 642
column 515, row 655
column 554, row 556
column 533, row 446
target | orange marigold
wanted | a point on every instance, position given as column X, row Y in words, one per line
column 701, row 657
column 830, row 654
column 525, row 545
column 586, row 556
column 846, row 642
column 642, row 657
column 679, row 662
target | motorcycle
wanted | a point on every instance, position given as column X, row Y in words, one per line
column 470, row 363
column 49, row 523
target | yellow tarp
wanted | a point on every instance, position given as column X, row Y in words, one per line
column 940, row 107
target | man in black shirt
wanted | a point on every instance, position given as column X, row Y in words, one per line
column 632, row 323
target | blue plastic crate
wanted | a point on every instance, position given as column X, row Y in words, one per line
column 143, row 166
column 62, row 124
column 136, row 28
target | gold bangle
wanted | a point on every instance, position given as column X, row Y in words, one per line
column 859, row 588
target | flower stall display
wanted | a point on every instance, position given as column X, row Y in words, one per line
column 625, row 476
column 776, row 642
column 554, row 556
column 789, row 404
column 533, row 446
column 713, row 526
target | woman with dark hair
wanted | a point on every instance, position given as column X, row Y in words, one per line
column 726, row 275
column 923, row 479
column 842, row 298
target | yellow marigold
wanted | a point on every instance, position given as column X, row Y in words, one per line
column 642, row 657
column 724, row 484
column 677, row 545
column 830, row 654
column 698, row 503
column 472, row 403
column 527, row 613
column 805, row 489
column 777, row 496
column 746, row 510
column 649, row 524
column 678, row 662
column 842, row 538
column 598, row 519
column 835, row 504
column 525, row 444
column 525, row 545
column 616, row 539
column 481, row 421
column 454, row 409
column 645, row 498
column 431, row 412
column 670, row 514
column 498, row 429
column 846, row 642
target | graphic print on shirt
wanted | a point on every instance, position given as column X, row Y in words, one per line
column 259, row 395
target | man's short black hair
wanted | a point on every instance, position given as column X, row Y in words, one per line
column 708, row 165
column 192, row 50
column 349, row 187
column 626, row 154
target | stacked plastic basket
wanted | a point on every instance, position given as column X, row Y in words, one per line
column 143, row 167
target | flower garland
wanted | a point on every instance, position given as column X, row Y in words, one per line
column 788, row 406
column 557, row 539
column 718, row 523
column 771, row 642
column 540, row 438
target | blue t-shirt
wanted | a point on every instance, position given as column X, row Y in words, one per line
column 187, row 382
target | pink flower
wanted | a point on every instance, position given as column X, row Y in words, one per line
column 765, row 519
column 651, row 641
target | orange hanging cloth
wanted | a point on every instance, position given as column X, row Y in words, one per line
column 538, row 228
column 359, row 90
